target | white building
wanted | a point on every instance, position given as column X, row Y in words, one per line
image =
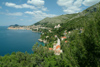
column 58, row 26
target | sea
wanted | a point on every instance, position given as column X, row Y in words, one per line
column 17, row 40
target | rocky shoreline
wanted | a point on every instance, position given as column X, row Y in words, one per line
column 44, row 41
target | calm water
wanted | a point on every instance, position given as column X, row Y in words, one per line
column 17, row 40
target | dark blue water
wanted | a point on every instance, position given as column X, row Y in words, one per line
column 17, row 40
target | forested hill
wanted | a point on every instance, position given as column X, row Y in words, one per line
column 51, row 22
column 56, row 20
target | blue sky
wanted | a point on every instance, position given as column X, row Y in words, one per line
column 27, row 12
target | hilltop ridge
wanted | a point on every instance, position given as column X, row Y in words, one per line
column 51, row 22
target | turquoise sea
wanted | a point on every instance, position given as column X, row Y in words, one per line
column 17, row 40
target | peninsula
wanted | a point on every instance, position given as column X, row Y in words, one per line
column 35, row 28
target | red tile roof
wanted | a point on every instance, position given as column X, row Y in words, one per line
column 63, row 37
column 66, row 41
column 57, row 46
column 50, row 48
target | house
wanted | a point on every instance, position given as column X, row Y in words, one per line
column 66, row 41
column 62, row 38
column 57, row 52
column 69, row 32
column 56, row 47
column 44, row 41
column 50, row 48
column 47, row 36
column 50, row 31
column 58, row 26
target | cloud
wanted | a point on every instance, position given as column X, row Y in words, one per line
column 26, row 6
column 15, row 14
column 70, row 6
column 21, row 19
column 12, row 5
column 19, row 6
column 44, row 8
column 12, row 14
column 65, row 3
column 36, row 2
column 0, row 7
column 39, row 15
column 78, row 3
column 90, row 2
column 74, row 6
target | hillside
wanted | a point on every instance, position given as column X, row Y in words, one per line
column 56, row 20
column 82, row 38
column 51, row 22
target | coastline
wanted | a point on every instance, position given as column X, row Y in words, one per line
column 23, row 28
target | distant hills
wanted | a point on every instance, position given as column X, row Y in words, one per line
column 16, row 25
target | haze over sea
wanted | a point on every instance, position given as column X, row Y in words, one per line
column 17, row 40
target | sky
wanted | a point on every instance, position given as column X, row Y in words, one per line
column 27, row 12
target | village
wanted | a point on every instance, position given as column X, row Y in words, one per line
column 32, row 28
column 57, row 45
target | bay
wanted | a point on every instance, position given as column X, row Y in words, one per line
column 17, row 40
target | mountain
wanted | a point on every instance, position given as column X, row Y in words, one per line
column 55, row 20
column 16, row 25
column 51, row 22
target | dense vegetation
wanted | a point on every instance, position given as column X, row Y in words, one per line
column 81, row 50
